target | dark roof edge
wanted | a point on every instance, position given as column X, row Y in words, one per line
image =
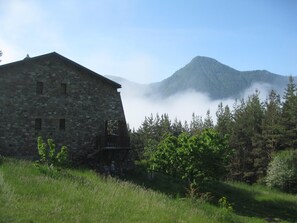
column 117, row 85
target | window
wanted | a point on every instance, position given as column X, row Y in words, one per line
column 112, row 127
column 62, row 124
column 39, row 87
column 38, row 124
column 63, row 88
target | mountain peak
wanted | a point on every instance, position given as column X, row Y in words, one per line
column 203, row 59
column 203, row 63
column 207, row 75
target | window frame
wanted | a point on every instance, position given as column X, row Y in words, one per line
column 62, row 124
column 38, row 124
column 63, row 88
column 39, row 87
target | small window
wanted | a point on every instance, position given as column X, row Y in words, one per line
column 62, row 124
column 39, row 87
column 38, row 124
column 112, row 127
column 63, row 88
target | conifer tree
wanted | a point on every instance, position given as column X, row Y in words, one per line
column 208, row 122
column 266, row 143
column 289, row 116
column 177, row 127
column 224, row 120
column 196, row 124
column 244, row 140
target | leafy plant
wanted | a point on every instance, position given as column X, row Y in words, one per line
column 195, row 158
column 223, row 203
column 282, row 171
column 48, row 154
column 41, row 150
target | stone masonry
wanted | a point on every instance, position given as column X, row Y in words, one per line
column 54, row 97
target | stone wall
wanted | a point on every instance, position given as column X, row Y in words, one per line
column 88, row 102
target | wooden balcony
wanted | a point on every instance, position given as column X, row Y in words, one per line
column 113, row 142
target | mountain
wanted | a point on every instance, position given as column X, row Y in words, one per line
column 131, row 88
column 207, row 75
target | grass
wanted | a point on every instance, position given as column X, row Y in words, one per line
column 30, row 195
column 256, row 201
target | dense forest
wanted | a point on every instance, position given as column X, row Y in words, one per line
column 254, row 132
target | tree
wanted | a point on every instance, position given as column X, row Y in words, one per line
column 268, row 141
column 289, row 116
column 245, row 139
column 224, row 120
column 144, row 141
column 1, row 54
column 208, row 122
column 196, row 158
column 177, row 127
column 282, row 171
column 196, row 124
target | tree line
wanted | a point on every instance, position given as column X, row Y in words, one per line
column 253, row 130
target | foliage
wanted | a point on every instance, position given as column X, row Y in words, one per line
column 268, row 142
column 41, row 146
column 145, row 140
column 289, row 116
column 245, row 139
column 282, row 171
column 253, row 129
column 72, row 198
column 224, row 203
column 225, row 120
column 196, row 158
column 48, row 154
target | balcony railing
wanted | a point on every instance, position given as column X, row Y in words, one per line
column 113, row 142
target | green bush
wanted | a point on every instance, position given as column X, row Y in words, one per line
column 49, row 155
column 282, row 171
column 196, row 158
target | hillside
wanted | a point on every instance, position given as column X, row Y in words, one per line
column 207, row 75
column 28, row 195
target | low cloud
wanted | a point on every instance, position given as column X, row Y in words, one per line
column 137, row 106
column 180, row 106
column 263, row 89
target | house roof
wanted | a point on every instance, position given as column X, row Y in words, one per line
column 64, row 59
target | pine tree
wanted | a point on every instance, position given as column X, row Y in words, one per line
column 244, row 139
column 208, row 122
column 196, row 124
column 177, row 127
column 224, row 120
column 289, row 117
column 266, row 143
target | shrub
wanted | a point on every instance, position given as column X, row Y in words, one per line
column 282, row 171
column 49, row 155
column 196, row 158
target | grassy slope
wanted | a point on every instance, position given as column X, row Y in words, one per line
column 27, row 195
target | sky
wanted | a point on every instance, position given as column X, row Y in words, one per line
column 146, row 41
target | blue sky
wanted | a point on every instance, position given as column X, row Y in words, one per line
column 148, row 40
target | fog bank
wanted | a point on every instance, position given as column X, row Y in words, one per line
column 181, row 105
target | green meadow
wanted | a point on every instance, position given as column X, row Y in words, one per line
column 29, row 194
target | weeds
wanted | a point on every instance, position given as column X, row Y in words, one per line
column 224, row 204
column 49, row 156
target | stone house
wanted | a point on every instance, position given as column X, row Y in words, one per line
column 54, row 97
